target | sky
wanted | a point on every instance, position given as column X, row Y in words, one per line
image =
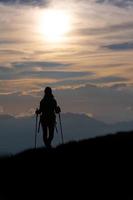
column 87, row 58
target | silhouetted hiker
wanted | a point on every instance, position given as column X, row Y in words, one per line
column 48, row 109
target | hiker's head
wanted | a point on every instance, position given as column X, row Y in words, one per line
column 48, row 91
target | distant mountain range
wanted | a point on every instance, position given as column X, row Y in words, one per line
column 17, row 134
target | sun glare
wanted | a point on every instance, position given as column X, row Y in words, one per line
column 54, row 25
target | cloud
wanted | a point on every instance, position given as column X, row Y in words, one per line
column 104, row 103
column 8, row 41
column 91, row 54
column 120, row 47
column 55, row 74
column 12, row 52
column 11, row 75
column 109, row 79
column 38, row 69
column 22, row 85
column 4, row 68
column 105, row 29
column 43, row 64
column 120, row 86
column 119, row 3
column 26, row 2
column 32, row 69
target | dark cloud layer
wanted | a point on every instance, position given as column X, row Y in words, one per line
column 105, row 29
column 11, row 74
column 8, row 41
column 29, row 64
column 119, row 3
column 12, row 52
column 104, row 103
column 39, row 69
column 55, row 74
column 109, row 79
column 120, row 47
column 26, row 2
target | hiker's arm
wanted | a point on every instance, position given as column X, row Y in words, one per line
column 57, row 108
column 39, row 111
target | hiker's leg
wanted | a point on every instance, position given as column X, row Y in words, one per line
column 45, row 134
column 51, row 132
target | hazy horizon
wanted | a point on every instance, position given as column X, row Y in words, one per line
column 81, row 48
column 17, row 134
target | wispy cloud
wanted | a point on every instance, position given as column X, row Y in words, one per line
column 107, row 103
column 44, row 64
column 109, row 79
column 105, row 29
column 97, row 51
column 120, row 47
column 25, row 2
column 119, row 3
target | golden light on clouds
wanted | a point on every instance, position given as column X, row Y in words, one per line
column 54, row 24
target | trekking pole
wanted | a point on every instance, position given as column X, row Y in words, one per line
column 61, row 129
column 36, row 130
column 39, row 125
column 56, row 127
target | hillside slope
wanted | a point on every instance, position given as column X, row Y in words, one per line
column 99, row 168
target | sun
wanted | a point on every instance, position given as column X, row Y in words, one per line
column 54, row 25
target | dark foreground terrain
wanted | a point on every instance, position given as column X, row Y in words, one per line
column 99, row 168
